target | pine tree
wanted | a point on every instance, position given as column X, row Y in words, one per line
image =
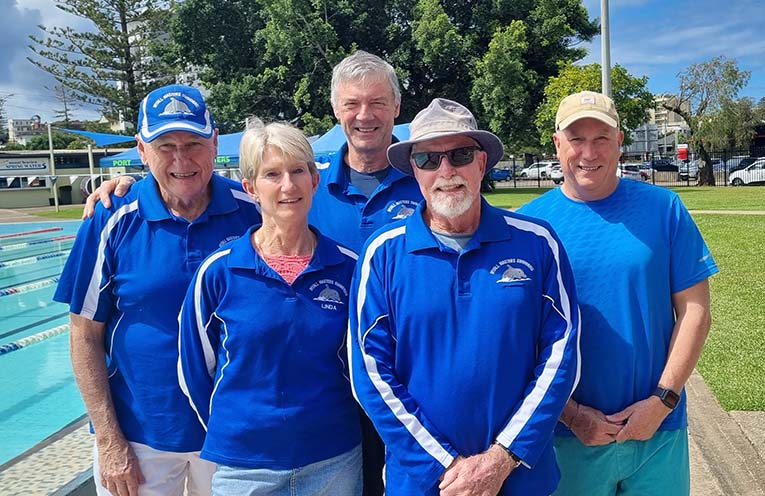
column 68, row 103
column 112, row 66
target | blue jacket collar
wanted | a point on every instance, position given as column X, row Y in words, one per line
column 153, row 208
column 244, row 256
column 336, row 177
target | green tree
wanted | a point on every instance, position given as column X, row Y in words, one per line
column 273, row 58
column 61, row 141
column 704, row 89
column 502, row 89
column 732, row 127
column 111, row 66
column 632, row 98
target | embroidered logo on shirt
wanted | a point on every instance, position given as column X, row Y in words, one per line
column 512, row 270
column 403, row 209
column 331, row 295
column 227, row 239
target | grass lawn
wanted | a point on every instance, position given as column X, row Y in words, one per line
column 694, row 198
column 733, row 361
column 67, row 212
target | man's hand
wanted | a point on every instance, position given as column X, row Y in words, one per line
column 641, row 419
column 118, row 185
column 120, row 471
column 479, row 475
column 593, row 427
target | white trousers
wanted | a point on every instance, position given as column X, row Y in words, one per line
column 167, row 473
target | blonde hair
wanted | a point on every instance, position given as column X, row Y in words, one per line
column 286, row 137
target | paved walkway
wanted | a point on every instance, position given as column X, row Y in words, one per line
column 727, row 448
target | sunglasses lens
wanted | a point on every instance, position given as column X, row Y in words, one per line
column 461, row 156
column 457, row 157
column 426, row 160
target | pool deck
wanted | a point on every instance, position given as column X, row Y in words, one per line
column 727, row 448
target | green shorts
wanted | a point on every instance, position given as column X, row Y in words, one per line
column 633, row 468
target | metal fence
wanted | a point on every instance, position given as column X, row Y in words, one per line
column 662, row 171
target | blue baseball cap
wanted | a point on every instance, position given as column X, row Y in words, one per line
column 175, row 107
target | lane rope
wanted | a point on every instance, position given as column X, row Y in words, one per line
column 33, row 339
column 30, row 233
column 18, row 246
column 29, row 260
column 26, row 288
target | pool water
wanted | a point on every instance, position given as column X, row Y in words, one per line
column 38, row 395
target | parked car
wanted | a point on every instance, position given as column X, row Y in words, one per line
column 752, row 174
column 630, row 171
column 646, row 170
column 556, row 174
column 500, row 174
column 738, row 163
column 538, row 170
column 689, row 171
column 662, row 165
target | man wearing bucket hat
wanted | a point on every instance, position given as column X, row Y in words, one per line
column 463, row 325
column 124, row 282
column 641, row 269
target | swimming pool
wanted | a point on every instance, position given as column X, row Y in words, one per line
column 38, row 395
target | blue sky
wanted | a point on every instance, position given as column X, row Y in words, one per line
column 660, row 38
column 655, row 38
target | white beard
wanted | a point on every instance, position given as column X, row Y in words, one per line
column 450, row 205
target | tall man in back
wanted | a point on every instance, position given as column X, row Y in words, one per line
column 359, row 192
column 641, row 270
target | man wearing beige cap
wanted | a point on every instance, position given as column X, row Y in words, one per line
column 641, row 270
column 463, row 326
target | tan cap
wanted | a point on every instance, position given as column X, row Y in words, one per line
column 586, row 104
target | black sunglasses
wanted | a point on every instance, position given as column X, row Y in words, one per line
column 457, row 157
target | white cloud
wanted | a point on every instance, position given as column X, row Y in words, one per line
column 21, row 82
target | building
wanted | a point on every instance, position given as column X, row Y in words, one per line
column 26, row 179
column 22, row 130
column 667, row 121
column 644, row 143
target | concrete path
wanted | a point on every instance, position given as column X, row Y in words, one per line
column 726, row 448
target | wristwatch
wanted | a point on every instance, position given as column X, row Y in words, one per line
column 515, row 457
column 667, row 396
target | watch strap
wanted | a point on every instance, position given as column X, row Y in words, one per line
column 667, row 396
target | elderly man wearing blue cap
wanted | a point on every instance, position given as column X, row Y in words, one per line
column 463, row 326
column 124, row 282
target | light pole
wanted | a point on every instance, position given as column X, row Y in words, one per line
column 605, row 49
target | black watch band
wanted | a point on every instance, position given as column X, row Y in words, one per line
column 515, row 458
column 667, row 396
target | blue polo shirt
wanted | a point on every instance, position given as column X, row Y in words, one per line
column 630, row 253
column 342, row 212
column 271, row 391
column 129, row 268
column 453, row 351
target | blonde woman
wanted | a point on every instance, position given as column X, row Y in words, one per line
column 262, row 328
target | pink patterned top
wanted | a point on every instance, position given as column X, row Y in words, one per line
column 288, row 266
